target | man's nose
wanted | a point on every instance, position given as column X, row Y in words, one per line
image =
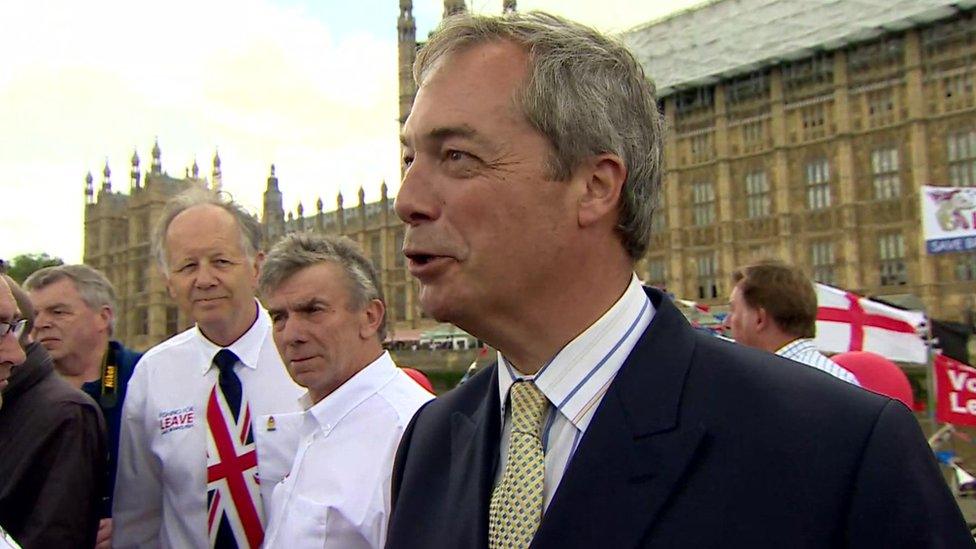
column 416, row 201
column 205, row 276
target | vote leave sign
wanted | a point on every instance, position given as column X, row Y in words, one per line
column 955, row 389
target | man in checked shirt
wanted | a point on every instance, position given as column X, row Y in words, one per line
column 773, row 307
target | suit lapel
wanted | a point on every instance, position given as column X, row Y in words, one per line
column 474, row 458
column 634, row 452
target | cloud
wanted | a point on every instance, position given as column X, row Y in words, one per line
column 306, row 84
column 262, row 82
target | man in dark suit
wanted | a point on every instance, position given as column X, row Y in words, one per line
column 532, row 163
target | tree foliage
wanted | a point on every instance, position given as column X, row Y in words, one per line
column 23, row 265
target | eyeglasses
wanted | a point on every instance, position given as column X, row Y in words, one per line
column 16, row 327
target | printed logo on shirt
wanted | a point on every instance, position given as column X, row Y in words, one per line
column 175, row 420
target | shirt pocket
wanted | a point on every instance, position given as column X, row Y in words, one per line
column 303, row 525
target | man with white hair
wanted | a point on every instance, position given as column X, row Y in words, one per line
column 188, row 464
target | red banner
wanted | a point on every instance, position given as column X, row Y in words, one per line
column 955, row 390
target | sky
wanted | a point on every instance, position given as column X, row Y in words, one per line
column 308, row 85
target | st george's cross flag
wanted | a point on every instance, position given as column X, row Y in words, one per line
column 849, row 322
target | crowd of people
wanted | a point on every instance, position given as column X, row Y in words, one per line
column 533, row 161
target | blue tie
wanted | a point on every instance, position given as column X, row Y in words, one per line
column 229, row 383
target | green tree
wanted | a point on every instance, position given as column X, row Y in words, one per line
column 21, row 266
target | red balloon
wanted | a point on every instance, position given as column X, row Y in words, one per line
column 420, row 378
column 877, row 373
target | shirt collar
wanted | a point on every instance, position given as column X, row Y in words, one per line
column 564, row 378
column 329, row 411
column 797, row 345
column 247, row 347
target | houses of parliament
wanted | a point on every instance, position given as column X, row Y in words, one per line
column 797, row 130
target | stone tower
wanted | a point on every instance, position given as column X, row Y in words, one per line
column 273, row 215
column 407, row 49
column 454, row 7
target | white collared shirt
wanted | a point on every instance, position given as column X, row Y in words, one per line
column 161, row 491
column 803, row 350
column 576, row 379
column 338, row 491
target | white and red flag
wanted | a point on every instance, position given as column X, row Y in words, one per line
column 849, row 322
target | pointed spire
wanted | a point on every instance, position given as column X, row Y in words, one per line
column 362, row 196
column 383, row 190
column 454, row 7
column 272, row 179
column 157, row 165
column 508, row 6
column 89, row 189
column 195, row 169
column 339, row 200
column 300, row 209
column 218, row 180
column 318, row 205
column 135, row 176
column 107, row 181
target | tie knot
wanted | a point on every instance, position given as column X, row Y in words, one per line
column 529, row 406
column 225, row 360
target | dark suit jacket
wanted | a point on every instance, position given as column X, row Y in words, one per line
column 698, row 443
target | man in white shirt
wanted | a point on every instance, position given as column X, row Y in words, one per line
column 329, row 321
column 773, row 307
column 175, row 458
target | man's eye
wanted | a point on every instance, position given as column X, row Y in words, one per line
column 456, row 156
column 407, row 160
column 186, row 267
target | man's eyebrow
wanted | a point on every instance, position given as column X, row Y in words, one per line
column 443, row 133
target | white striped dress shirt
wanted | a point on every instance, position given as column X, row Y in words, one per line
column 576, row 379
column 802, row 350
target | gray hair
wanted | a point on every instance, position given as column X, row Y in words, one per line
column 585, row 92
column 92, row 285
column 297, row 251
column 195, row 196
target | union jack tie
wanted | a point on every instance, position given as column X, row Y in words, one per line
column 233, row 499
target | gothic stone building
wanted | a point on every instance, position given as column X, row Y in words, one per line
column 117, row 241
column 803, row 130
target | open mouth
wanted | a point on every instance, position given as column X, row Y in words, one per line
column 420, row 259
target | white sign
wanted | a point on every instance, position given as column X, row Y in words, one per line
column 948, row 219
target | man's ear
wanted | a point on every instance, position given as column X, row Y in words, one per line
column 371, row 318
column 762, row 319
column 106, row 315
column 169, row 286
column 605, row 175
column 258, row 262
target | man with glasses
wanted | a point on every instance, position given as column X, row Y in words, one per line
column 52, row 438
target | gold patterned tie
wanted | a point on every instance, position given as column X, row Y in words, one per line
column 516, row 503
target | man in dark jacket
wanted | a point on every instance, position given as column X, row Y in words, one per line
column 75, row 310
column 53, row 445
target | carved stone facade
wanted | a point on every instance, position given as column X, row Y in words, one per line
column 117, row 241
column 818, row 161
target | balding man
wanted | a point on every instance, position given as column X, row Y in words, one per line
column 52, row 441
column 188, row 468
